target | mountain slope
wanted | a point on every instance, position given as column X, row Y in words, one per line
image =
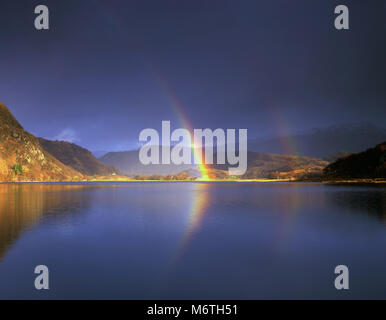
column 76, row 157
column 23, row 159
column 367, row 164
column 278, row 166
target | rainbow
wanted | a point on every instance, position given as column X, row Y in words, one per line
column 183, row 119
column 282, row 128
column 115, row 19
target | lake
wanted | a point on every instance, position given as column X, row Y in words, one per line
column 191, row 240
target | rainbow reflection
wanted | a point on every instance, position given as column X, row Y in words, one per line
column 199, row 204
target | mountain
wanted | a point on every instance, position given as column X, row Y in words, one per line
column 128, row 163
column 368, row 164
column 277, row 166
column 324, row 142
column 76, row 157
column 23, row 159
column 260, row 166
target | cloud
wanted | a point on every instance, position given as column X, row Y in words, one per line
column 68, row 135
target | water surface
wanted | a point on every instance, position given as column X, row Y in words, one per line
column 154, row 240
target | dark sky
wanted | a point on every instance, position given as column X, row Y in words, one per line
column 107, row 69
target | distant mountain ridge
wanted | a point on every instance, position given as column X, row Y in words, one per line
column 76, row 157
column 260, row 166
column 128, row 163
column 328, row 144
column 323, row 142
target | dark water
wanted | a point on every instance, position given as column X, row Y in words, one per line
column 192, row 240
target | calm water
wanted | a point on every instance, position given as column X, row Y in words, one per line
column 192, row 240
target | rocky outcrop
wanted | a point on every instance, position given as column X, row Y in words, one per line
column 23, row 159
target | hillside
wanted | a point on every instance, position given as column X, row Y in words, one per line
column 368, row 164
column 277, row 166
column 23, row 159
column 76, row 157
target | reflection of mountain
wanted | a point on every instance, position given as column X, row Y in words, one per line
column 371, row 201
column 24, row 205
column 324, row 142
